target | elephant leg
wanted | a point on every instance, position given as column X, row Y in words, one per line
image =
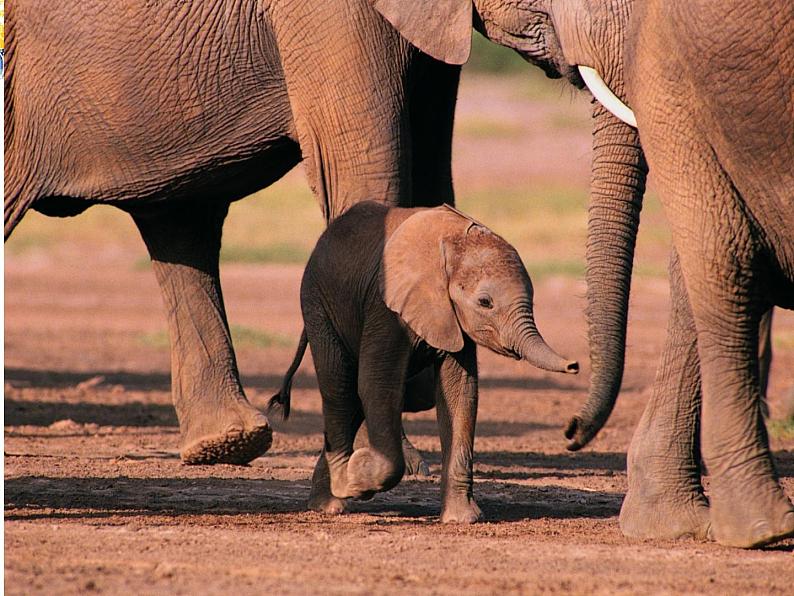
column 432, row 113
column 415, row 464
column 350, row 155
column 748, row 505
column 764, row 358
column 722, row 264
column 321, row 498
column 216, row 421
column 420, row 395
column 383, row 359
column 336, row 376
column 456, row 409
column 665, row 498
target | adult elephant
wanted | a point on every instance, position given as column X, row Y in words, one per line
column 711, row 90
column 714, row 102
column 171, row 110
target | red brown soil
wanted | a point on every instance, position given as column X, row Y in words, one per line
column 97, row 499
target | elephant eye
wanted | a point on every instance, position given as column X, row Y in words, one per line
column 485, row 301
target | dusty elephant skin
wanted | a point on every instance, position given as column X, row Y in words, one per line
column 718, row 109
column 387, row 293
column 235, row 95
column 211, row 101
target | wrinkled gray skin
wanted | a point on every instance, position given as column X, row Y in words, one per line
column 214, row 100
column 206, row 103
column 711, row 90
column 387, row 293
column 211, row 101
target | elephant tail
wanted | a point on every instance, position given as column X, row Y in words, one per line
column 282, row 398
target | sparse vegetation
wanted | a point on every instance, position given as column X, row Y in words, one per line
column 241, row 336
column 269, row 253
column 782, row 429
column 487, row 128
column 486, row 56
column 783, row 339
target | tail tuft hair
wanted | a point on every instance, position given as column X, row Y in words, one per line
column 281, row 400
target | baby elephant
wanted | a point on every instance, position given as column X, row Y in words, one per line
column 386, row 293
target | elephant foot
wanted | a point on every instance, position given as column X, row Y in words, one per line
column 664, row 517
column 460, row 509
column 741, row 521
column 415, row 464
column 324, row 502
column 321, row 499
column 368, row 472
column 241, row 442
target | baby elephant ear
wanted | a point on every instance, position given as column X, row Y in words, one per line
column 414, row 280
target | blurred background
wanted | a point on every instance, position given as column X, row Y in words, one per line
column 521, row 162
column 521, row 165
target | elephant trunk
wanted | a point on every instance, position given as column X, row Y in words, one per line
column 532, row 348
column 617, row 187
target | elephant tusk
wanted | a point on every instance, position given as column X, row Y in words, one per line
column 604, row 94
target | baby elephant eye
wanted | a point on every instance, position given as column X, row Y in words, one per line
column 485, row 301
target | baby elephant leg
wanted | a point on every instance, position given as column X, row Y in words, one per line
column 415, row 464
column 320, row 497
column 381, row 377
column 336, row 376
column 420, row 395
column 456, row 409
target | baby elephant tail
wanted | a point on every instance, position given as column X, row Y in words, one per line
column 282, row 398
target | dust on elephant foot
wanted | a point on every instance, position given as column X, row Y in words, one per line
column 739, row 520
column 415, row 464
column 238, row 444
column 460, row 509
column 368, row 472
column 326, row 503
column 663, row 517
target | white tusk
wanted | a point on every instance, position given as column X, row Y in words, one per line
column 604, row 94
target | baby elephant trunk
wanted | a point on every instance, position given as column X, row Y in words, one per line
column 537, row 352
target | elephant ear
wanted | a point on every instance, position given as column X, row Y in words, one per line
column 441, row 28
column 414, row 279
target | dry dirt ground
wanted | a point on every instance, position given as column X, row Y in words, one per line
column 96, row 498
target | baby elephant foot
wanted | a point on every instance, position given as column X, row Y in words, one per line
column 326, row 503
column 460, row 509
column 369, row 472
column 665, row 517
column 320, row 497
column 415, row 464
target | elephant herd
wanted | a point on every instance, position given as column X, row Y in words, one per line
column 210, row 101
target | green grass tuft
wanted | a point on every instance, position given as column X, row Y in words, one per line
column 241, row 336
column 481, row 127
column 782, row 339
column 487, row 56
column 782, row 429
column 268, row 253
column 555, row 268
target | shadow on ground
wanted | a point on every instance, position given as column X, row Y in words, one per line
column 43, row 497
column 301, row 422
column 158, row 381
column 44, row 413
